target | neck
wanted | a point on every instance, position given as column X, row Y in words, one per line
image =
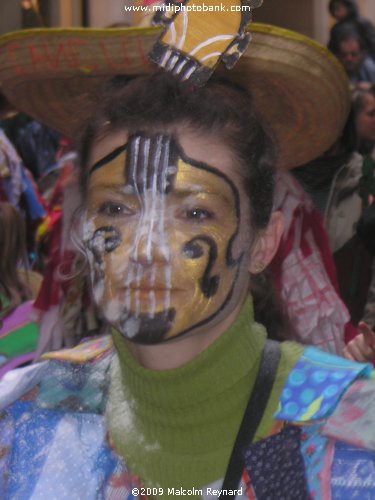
column 180, row 351
column 176, row 428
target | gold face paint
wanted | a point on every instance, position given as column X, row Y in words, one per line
column 160, row 231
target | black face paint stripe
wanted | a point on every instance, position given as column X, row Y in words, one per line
column 230, row 260
column 193, row 250
column 151, row 330
column 108, row 158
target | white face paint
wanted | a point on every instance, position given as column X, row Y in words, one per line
column 160, row 233
column 149, row 179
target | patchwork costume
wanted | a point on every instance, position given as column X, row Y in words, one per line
column 60, row 417
column 91, row 422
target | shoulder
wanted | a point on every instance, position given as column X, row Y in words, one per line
column 79, row 374
column 52, row 424
column 366, row 25
column 338, row 432
column 350, row 173
column 327, row 443
column 368, row 66
column 87, row 351
column 52, row 427
column 321, row 384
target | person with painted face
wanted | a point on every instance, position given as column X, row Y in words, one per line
column 189, row 398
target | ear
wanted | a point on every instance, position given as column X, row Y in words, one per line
column 267, row 244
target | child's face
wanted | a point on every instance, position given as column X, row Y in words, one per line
column 167, row 233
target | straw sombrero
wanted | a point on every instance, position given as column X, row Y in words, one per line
column 298, row 86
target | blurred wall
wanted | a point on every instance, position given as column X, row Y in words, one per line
column 296, row 15
column 368, row 9
column 310, row 17
column 104, row 13
column 62, row 13
column 10, row 16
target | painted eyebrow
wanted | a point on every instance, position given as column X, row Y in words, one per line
column 108, row 158
column 117, row 188
column 183, row 193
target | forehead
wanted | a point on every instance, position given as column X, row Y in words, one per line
column 339, row 6
column 189, row 181
column 201, row 148
column 350, row 45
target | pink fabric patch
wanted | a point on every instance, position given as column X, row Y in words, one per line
column 17, row 318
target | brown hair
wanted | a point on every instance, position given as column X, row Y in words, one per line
column 12, row 254
column 351, row 5
column 222, row 108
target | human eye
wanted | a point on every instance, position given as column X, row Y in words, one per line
column 114, row 209
column 197, row 214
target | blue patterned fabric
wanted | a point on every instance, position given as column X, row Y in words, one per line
column 75, row 387
column 275, row 466
column 57, row 455
column 6, row 441
column 314, row 449
column 353, row 473
column 316, row 384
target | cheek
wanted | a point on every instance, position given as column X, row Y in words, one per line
column 106, row 251
column 115, row 264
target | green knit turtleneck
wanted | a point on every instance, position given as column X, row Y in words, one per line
column 176, row 428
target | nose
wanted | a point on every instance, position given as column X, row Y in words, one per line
column 150, row 249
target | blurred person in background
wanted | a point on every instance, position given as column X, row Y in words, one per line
column 349, row 47
column 346, row 13
column 35, row 143
column 343, row 10
column 65, row 310
column 18, row 288
column 339, row 185
column 17, row 184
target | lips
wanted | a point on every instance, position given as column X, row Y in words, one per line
column 149, row 287
column 147, row 292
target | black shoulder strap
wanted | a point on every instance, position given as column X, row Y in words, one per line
column 253, row 414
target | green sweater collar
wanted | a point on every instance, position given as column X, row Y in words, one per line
column 177, row 427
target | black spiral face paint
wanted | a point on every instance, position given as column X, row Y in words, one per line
column 193, row 249
column 162, row 233
column 104, row 240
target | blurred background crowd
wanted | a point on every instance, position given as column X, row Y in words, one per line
column 324, row 271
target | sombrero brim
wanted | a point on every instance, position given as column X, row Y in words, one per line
column 298, row 86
